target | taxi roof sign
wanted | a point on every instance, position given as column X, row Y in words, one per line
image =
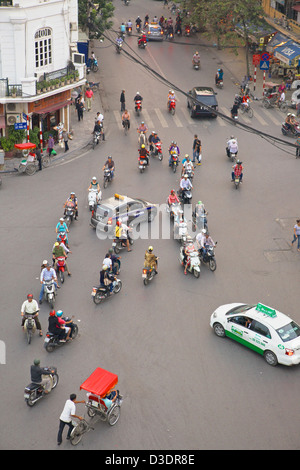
column 271, row 312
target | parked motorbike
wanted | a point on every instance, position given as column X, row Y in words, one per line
column 172, row 106
column 209, row 257
column 49, row 292
column 101, row 293
column 174, row 161
column 290, row 131
column 94, row 198
column 34, row 392
column 138, row 107
column 142, row 164
column 157, row 151
column 193, row 265
column 148, row 274
column 52, row 341
column 121, row 243
column 107, row 177
column 29, row 326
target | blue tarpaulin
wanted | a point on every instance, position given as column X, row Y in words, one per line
column 288, row 52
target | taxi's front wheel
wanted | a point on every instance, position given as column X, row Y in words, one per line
column 270, row 358
column 219, row 330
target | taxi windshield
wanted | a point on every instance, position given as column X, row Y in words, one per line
column 289, row 331
column 240, row 309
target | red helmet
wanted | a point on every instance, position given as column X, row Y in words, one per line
column 52, row 313
column 29, row 296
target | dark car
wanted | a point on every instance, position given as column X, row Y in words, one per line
column 129, row 210
column 203, row 96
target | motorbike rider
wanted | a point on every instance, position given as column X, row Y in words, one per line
column 119, row 41
column 142, row 38
column 142, row 128
column 115, row 261
column 126, row 118
column 232, row 146
column 146, row 19
column 204, row 241
column 185, row 184
column 144, row 154
column 173, row 198
column 59, row 252
column 138, row 97
column 234, row 110
column 47, row 274
column 106, row 279
column 94, row 184
column 122, row 28
column 55, row 327
column 187, row 250
column 171, row 96
column 128, row 25
column 61, row 226
column 150, row 259
column 110, row 165
column 39, row 375
column 187, row 166
column 200, row 212
column 72, row 199
column 138, row 23
column 173, row 149
column 237, row 171
column 30, row 307
column 122, row 232
column 219, row 76
column 196, row 58
column 153, row 139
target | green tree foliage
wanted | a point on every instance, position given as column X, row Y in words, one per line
column 95, row 17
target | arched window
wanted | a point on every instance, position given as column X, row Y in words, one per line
column 43, row 47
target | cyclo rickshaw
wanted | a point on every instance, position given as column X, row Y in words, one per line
column 270, row 98
column 29, row 163
column 103, row 401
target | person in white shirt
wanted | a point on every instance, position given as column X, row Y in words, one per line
column 232, row 146
column 30, row 307
column 204, row 240
column 107, row 261
column 66, row 416
column 185, row 183
column 99, row 118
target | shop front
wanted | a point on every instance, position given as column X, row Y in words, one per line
column 288, row 56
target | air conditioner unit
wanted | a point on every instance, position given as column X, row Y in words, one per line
column 78, row 58
column 14, row 108
column 12, row 119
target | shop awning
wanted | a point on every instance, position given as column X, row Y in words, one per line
column 296, row 7
column 288, row 52
column 277, row 41
column 51, row 109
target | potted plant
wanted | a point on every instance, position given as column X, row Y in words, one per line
column 76, row 75
column 14, row 92
column 56, row 83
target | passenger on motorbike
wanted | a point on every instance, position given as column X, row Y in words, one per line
column 144, row 154
column 219, row 76
column 109, row 164
column 47, row 274
column 61, row 226
column 142, row 128
column 115, row 261
column 173, row 149
column 30, row 307
column 106, row 279
column 59, row 252
column 138, row 22
column 73, row 199
column 173, row 198
column 187, row 250
column 187, row 166
column 63, row 324
column 122, row 231
column 126, row 118
column 237, row 171
column 232, row 146
column 39, row 375
column 55, row 327
column 204, row 241
column 196, row 58
column 150, row 259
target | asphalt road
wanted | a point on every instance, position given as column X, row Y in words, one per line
column 184, row 388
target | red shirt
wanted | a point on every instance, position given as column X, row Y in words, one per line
column 238, row 169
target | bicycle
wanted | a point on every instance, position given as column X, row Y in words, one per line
column 246, row 109
column 126, row 126
column 79, row 430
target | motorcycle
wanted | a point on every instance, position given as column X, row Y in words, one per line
column 174, row 161
column 181, row 230
column 138, row 107
column 236, row 181
column 29, row 326
column 219, row 84
column 34, row 392
column 200, row 222
column 69, row 213
column 60, row 268
column 231, row 155
column 174, row 210
column 138, row 28
column 97, row 137
column 119, row 47
column 196, row 64
column 172, row 106
column 49, row 292
column 142, row 164
column 185, row 196
column 291, row 131
column 101, row 293
column 62, row 238
column 129, row 30
column 94, row 198
column 107, row 177
column 142, row 140
column 193, row 265
column 209, row 257
column 119, row 244
column 148, row 274
column 187, row 31
column 156, row 150
column 52, row 341
column 142, row 44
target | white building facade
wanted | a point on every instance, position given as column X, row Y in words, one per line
column 39, row 61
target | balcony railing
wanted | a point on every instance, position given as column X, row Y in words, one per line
column 14, row 90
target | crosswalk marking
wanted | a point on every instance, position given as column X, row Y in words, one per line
column 161, row 118
column 187, row 116
column 270, row 116
column 148, row 120
column 259, row 118
column 177, row 121
column 118, row 119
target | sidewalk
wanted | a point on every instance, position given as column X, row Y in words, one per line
column 81, row 131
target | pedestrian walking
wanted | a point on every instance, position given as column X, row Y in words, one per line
column 197, row 149
column 66, row 417
column 297, row 234
column 39, row 156
column 122, row 100
column 89, row 96
column 65, row 138
column 50, row 144
column 79, row 107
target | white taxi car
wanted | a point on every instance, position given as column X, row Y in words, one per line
column 261, row 328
